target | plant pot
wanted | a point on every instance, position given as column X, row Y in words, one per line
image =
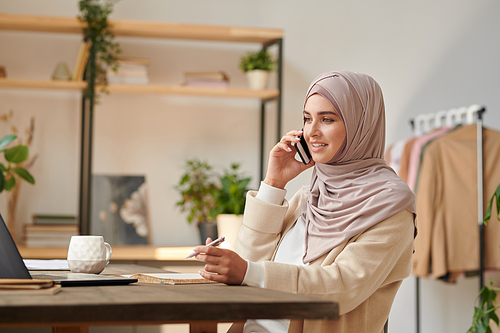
column 228, row 226
column 257, row 79
column 207, row 229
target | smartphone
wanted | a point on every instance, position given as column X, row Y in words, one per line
column 303, row 150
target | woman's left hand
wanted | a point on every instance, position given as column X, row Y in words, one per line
column 222, row 265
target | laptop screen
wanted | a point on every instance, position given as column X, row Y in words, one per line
column 11, row 262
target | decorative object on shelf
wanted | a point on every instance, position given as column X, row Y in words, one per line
column 257, row 66
column 216, row 79
column 230, row 205
column 197, row 189
column 104, row 50
column 3, row 73
column 485, row 312
column 120, row 209
column 18, row 164
column 61, row 72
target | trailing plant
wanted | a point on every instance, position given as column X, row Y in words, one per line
column 257, row 60
column 14, row 157
column 232, row 192
column 104, row 50
column 485, row 311
column 197, row 189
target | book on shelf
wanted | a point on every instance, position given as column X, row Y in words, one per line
column 3, row 73
column 210, row 75
column 81, row 61
column 130, row 71
column 126, row 79
column 54, row 219
column 49, row 235
column 214, row 79
column 207, row 84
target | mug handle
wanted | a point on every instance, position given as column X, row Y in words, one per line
column 108, row 251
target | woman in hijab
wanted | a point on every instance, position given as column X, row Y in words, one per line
column 348, row 236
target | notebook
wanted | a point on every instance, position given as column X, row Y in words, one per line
column 13, row 267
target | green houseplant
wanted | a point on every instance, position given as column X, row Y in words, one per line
column 231, row 194
column 14, row 168
column 198, row 197
column 230, row 204
column 208, row 197
column 104, row 51
column 14, row 157
column 257, row 66
column 485, row 311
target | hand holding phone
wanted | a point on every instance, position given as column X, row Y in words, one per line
column 303, row 150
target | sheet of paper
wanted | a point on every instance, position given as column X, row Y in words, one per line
column 46, row 265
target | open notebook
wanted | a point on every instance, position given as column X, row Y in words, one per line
column 171, row 278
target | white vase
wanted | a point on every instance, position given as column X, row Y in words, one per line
column 257, row 79
column 228, row 225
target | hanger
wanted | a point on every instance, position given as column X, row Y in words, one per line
column 440, row 119
column 472, row 111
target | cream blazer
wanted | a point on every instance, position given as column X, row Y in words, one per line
column 362, row 275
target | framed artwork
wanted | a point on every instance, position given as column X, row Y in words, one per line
column 120, row 209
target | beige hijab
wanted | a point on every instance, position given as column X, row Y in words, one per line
column 356, row 189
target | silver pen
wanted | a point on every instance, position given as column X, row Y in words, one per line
column 216, row 242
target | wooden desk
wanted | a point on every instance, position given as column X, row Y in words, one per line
column 74, row 309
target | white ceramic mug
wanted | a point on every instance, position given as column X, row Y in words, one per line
column 88, row 254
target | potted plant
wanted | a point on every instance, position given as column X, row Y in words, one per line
column 257, row 66
column 104, row 51
column 485, row 312
column 14, row 156
column 197, row 190
column 230, row 204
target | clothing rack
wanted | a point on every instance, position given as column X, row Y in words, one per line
column 424, row 123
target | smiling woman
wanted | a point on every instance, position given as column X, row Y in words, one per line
column 324, row 130
column 348, row 236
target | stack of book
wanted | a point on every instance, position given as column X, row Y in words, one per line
column 130, row 71
column 50, row 230
column 217, row 79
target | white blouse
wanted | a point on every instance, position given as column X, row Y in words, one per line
column 290, row 251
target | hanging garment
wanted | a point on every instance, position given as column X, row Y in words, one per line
column 405, row 159
column 448, row 238
column 416, row 151
column 394, row 153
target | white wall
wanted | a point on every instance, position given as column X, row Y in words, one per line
column 426, row 55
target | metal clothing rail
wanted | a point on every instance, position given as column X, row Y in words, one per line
column 424, row 123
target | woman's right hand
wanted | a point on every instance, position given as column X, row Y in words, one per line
column 282, row 166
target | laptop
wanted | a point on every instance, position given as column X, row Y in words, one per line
column 12, row 267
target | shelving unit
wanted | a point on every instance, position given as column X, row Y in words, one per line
column 142, row 29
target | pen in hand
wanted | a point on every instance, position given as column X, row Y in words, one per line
column 214, row 243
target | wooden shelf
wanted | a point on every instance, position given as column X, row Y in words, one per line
column 123, row 253
column 140, row 89
column 194, row 91
column 144, row 29
column 42, row 84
